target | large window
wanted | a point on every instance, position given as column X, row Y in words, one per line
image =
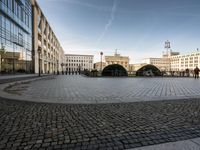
column 15, row 37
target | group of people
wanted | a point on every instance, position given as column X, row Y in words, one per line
column 196, row 73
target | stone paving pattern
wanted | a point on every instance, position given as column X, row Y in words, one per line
column 78, row 89
column 7, row 80
column 29, row 125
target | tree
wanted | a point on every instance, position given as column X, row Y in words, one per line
column 2, row 53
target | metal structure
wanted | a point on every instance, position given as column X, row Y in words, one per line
column 114, row 70
column 148, row 70
column 167, row 45
column 101, row 53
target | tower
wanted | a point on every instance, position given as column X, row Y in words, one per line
column 115, row 52
column 167, row 47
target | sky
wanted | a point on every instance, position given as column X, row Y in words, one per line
column 136, row 28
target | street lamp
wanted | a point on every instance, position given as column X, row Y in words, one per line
column 57, row 68
column 101, row 53
column 2, row 52
column 62, row 64
column 79, row 69
column 39, row 54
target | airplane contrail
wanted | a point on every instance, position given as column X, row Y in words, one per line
column 112, row 17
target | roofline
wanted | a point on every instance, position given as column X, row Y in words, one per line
column 78, row 55
column 117, row 56
column 35, row 4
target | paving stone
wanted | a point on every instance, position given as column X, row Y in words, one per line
column 30, row 125
column 78, row 89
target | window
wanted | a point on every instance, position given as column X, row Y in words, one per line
column 20, row 39
column 9, row 3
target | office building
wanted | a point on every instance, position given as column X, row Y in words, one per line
column 47, row 51
column 187, row 61
column 163, row 64
column 174, row 61
column 16, row 36
column 76, row 62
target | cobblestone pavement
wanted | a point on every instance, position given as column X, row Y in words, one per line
column 78, row 89
column 12, row 78
column 29, row 125
column 20, row 77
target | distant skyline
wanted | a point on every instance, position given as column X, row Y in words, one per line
column 137, row 28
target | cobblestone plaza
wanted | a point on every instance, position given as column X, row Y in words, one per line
column 139, row 112
column 79, row 89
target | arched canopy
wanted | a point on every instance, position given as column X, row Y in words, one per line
column 148, row 70
column 114, row 70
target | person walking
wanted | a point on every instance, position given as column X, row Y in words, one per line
column 196, row 73
column 187, row 71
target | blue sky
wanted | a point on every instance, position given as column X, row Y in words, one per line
column 137, row 28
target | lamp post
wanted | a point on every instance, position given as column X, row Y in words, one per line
column 2, row 52
column 39, row 54
column 62, row 64
column 79, row 68
column 57, row 68
column 101, row 53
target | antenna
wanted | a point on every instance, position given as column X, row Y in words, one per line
column 115, row 51
column 167, row 46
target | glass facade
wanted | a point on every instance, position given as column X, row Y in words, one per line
column 16, row 36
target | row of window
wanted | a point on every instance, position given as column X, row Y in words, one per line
column 21, row 11
column 77, row 69
column 197, row 54
column 182, row 62
column 13, row 33
column 15, row 58
column 75, row 58
column 186, row 65
column 51, row 37
column 75, row 64
column 87, row 61
column 45, row 42
column 123, row 62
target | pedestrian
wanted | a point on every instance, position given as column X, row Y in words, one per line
column 196, row 73
column 187, row 71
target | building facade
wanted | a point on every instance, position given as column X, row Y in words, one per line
column 134, row 67
column 61, row 60
column 162, row 64
column 174, row 61
column 118, row 59
column 183, row 62
column 97, row 66
column 75, row 62
column 16, row 36
column 47, row 51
